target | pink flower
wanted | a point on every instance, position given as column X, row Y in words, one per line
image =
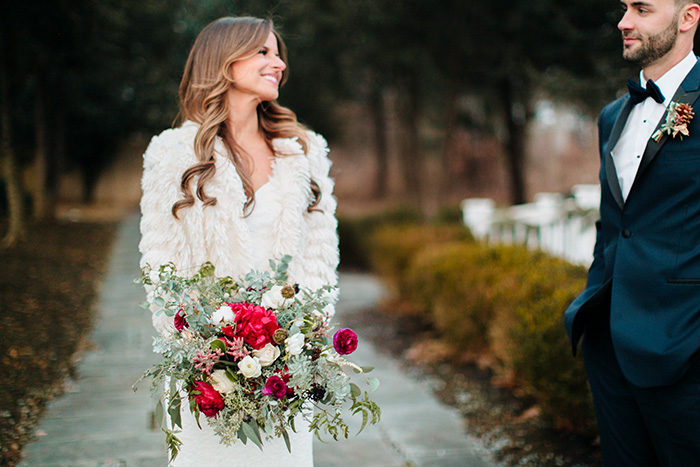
column 345, row 341
column 275, row 386
column 207, row 398
column 254, row 324
column 236, row 348
column 205, row 360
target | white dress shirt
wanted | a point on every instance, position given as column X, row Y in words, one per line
column 642, row 122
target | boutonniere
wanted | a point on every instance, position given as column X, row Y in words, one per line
column 677, row 118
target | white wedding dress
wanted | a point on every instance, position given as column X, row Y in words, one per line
column 201, row 448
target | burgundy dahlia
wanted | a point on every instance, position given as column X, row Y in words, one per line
column 180, row 321
column 275, row 386
column 345, row 341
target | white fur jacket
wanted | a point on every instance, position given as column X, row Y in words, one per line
column 219, row 233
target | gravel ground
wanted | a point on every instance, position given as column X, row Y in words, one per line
column 48, row 284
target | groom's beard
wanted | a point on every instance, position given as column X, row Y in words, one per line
column 652, row 48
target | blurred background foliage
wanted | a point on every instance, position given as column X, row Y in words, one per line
column 79, row 77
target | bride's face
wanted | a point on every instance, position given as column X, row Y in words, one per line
column 259, row 76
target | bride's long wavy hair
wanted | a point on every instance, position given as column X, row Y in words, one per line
column 202, row 93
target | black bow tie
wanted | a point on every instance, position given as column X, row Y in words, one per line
column 638, row 93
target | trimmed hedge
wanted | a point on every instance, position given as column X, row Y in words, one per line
column 393, row 247
column 354, row 234
column 505, row 301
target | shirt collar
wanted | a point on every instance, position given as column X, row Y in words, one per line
column 673, row 78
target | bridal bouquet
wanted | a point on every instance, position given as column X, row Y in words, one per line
column 251, row 354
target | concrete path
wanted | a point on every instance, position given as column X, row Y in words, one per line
column 101, row 422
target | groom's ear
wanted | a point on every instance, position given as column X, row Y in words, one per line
column 690, row 14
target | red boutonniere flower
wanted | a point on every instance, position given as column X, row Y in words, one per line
column 677, row 118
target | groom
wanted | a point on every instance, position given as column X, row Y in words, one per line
column 640, row 312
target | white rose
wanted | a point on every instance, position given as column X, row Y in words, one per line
column 224, row 313
column 267, row 355
column 250, row 367
column 295, row 344
column 221, row 382
column 273, row 298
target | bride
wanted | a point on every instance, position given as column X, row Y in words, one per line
column 238, row 183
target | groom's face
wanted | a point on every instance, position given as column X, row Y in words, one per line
column 649, row 29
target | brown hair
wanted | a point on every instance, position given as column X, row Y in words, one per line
column 206, row 79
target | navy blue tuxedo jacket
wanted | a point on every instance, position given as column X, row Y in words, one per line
column 646, row 265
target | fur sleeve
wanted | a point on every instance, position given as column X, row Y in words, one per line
column 164, row 238
column 321, row 248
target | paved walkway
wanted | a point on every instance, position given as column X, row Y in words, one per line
column 100, row 421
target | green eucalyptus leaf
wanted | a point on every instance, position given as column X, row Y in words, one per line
column 251, row 433
column 174, row 412
column 287, row 442
column 218, row 344
column 174, row 409
column 373, row 384
column 242, row 436
column 159, row 412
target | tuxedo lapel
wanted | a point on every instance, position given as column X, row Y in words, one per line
column 610, row 171
column 687, row 93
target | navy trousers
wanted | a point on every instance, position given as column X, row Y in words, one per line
column 640, row 427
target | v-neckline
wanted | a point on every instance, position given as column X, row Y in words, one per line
column 263, row 186
column 273, row 165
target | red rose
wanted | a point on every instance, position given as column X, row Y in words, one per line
column 275, row 386
column 345, row 341
column 228, row 331
column 208, row 399
column 254, row 324
column 180, row 321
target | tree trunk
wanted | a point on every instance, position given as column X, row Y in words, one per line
column 455, row 71
column 411, row 163
column 16, row 228
column 40, row 200
column 58, row 162
column 381, row 146
column 446, row 176
column 515, row 110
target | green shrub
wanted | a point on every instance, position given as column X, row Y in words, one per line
column 354, row 234
column 450, row 214
column 509, row 302
column 462, row 284
column 392, row 248
column 529, row 341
